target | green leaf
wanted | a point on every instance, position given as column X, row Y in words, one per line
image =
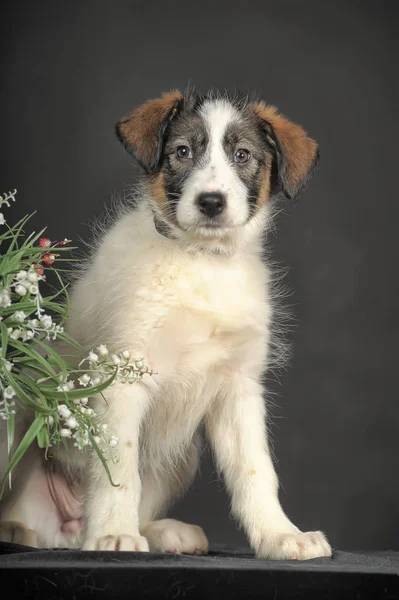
column 27, row 440
column 65, row 336
column 19, row 386
column 10, row 433
column 51, row 354
column 10, row 439
column 17, row 230
column 33, row 237
column 43, row 439
column 4, row 340
column 28, row 350
column 104, row 462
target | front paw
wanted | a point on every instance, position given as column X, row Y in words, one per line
column 121, row 543
column 17, row 533
column 168, row 535
column 294, row 546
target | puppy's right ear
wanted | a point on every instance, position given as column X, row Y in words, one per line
column 142, row 132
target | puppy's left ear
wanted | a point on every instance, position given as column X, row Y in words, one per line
column 142, row 131
column 296, row 154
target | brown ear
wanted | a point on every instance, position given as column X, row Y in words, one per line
column 142, row 131
column 297, row 155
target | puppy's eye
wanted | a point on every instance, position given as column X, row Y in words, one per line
column 184, row 152
column 242, row 155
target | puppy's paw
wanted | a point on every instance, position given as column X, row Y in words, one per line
column 17, row 533
column 175, row 537
column 121, row 543
column 295, row 546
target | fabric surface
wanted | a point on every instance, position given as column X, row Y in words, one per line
column 223, row 573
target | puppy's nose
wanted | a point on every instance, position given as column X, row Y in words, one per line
column 211, row 203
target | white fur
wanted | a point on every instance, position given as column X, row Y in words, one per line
column 200, row 316
column 202, row 321
column 215, row 175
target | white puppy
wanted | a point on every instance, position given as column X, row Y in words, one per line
column 179, row 280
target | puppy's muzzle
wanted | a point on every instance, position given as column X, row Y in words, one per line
column 211, row 204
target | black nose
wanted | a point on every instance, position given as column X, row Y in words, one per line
column 211, row 203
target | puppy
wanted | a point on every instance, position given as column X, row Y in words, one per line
column 179, row 280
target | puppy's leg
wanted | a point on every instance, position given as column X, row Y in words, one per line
column 236, row 429
column 34, row 514
column 159, row 491
column 112, row 513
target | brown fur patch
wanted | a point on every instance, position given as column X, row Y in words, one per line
column 264, row 189
column 157, row 187
column 300, row 151
column 140, row 129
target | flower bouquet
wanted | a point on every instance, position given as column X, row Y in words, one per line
column 33, row 375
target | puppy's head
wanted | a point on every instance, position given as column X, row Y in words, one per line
column 212, row 163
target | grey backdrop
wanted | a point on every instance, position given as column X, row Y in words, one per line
column 72, row 69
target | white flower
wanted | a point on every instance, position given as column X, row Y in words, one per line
column 104, row 427
column 66, row 433
column 5, row 299
column 15, row 334
column 113, row 441
column 8, row 365
column 25, row 283
column 2, row 219
column 64, row 411
column 84, row 400
column 33, row 323
column 90, row 412
column 102, row 350
column 33, row 289
column 46, row 321
column 29, row 334
column 8, row 392
column 96, row 380
column 139, row 364
column 115, row 359
column 21, row 275
column 19, row 316
column 72, row 423
column 84, row 379
column 63, row 387
column 70, row 385
column 33, row 277
column 126, row 354
column 93, row 357
column 82, row 439
column 50, row 420
column 20, row 290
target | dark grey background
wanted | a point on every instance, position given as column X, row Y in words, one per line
column 72, row 69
